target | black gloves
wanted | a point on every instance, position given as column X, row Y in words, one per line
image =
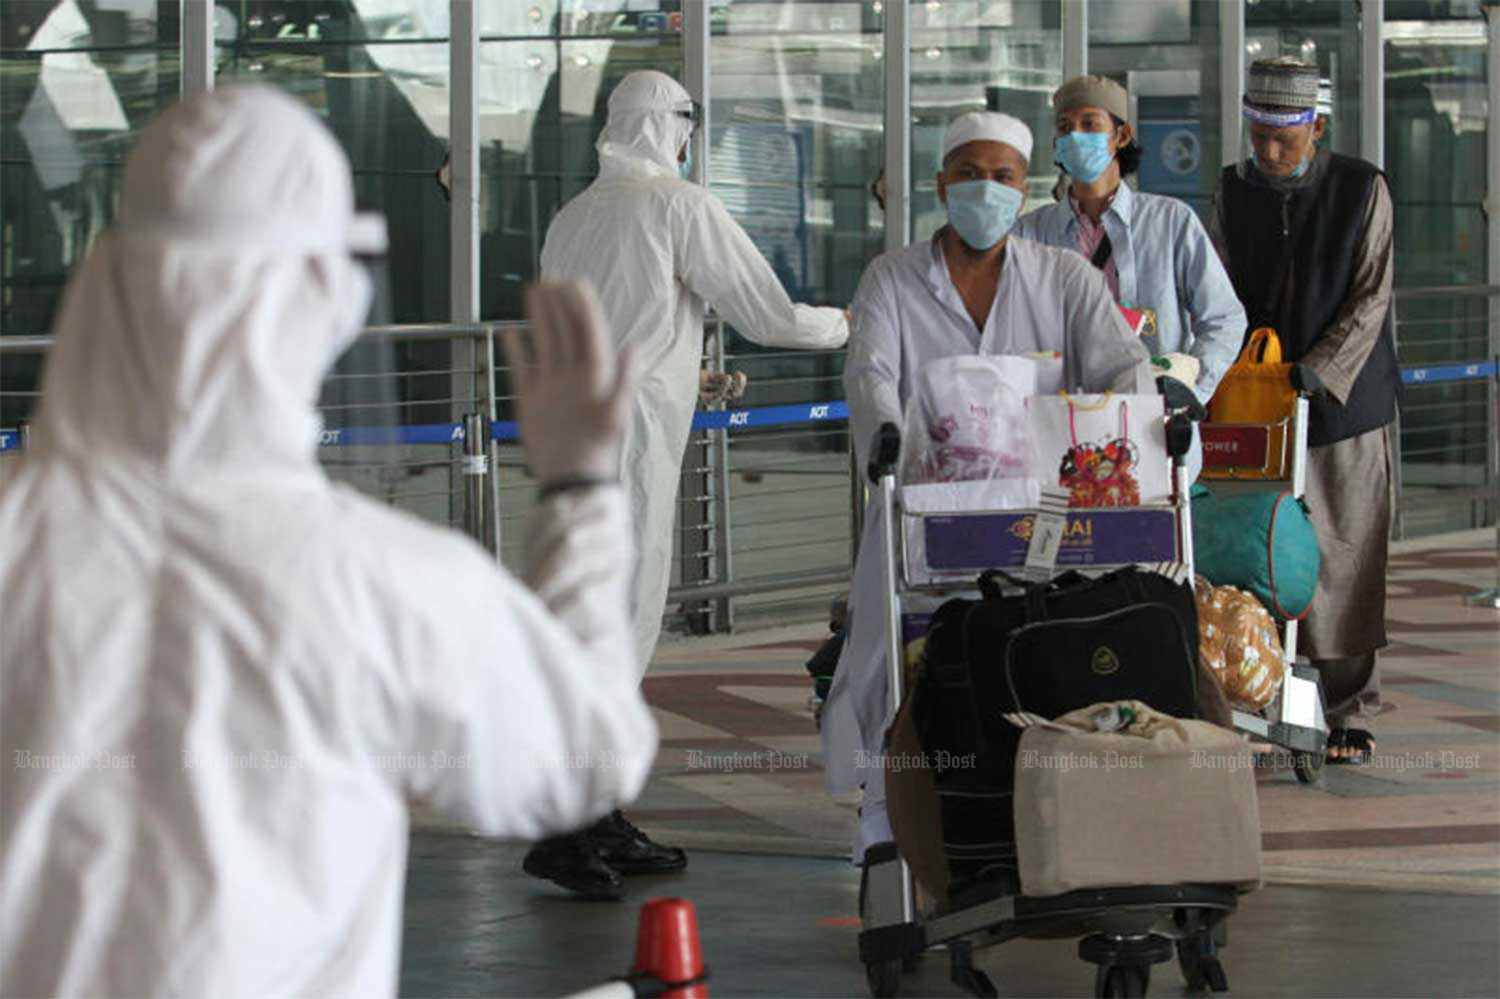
column 1183, row 410
column 1306, row 381
column 885, row 450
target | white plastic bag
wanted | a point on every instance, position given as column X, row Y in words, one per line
column 966, row 420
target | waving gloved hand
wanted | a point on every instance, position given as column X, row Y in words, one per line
column 573, row 392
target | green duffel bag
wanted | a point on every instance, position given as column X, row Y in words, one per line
column 1262, row 542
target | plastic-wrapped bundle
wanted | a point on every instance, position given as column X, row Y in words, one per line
column 1238, row 642
column 966, row 420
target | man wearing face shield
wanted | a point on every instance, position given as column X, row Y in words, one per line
column 221, row 677
column 1153, row 251
column 974, row 288
column 659, row 249
column 1306, row 235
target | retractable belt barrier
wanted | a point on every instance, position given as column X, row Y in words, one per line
column 448, row 433
column 507, row 431
column 736, row 419
column 1435, row 374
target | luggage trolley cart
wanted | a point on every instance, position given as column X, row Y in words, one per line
column 1124, row 931
column 1274, row 456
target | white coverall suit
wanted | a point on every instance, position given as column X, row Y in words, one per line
column 656, row 248
column 223, row 676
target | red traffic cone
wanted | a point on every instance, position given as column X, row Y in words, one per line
column 667, row 949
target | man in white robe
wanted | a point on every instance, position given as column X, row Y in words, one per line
column 971, row 289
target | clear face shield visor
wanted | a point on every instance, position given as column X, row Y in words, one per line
column 1276, row 144
column 692, row 113
column 361, row 398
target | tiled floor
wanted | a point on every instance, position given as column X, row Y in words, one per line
column 739, row 766
column 782, row 926
column 1384, row 881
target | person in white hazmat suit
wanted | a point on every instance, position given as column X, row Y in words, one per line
column 973, row 288
column 659, row 249
column 222, row 678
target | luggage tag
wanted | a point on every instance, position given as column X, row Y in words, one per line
column 1046, row 534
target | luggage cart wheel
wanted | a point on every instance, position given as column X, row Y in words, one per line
column 1122, row 981
column 965, row 975
column 884, row 978
column 1308, row 766
column 1198, row 951
column 1200, row 964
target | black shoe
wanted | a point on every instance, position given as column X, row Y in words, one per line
column 628, row 850
column 573, row 862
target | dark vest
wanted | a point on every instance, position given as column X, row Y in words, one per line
column 1316, row 230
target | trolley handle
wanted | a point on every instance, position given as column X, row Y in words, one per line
column 885, row 449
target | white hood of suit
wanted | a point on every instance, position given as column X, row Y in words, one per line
column 199, row 328
column 646, row 122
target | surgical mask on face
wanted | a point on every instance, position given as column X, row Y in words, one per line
column 685, row 165
column 1085, row 155
column 983, row 211
column 1302, row 167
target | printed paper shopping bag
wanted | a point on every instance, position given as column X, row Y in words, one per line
column 1107, row 450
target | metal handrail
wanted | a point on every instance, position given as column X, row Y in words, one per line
column 1448, row 291
column 34, row 342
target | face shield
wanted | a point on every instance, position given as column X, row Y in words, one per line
column 1277, row 145
column 360, row 400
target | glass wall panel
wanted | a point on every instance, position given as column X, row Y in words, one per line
column 77, row 83
column 1436, row 94
column 1166, row 53
column 796, row 142
column 546, row 70
column 968, row 55
column 796, row 137
column 376, row 71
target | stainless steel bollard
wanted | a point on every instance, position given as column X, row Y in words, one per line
column 476, row 465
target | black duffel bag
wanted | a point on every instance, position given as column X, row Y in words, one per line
column 1046, row 650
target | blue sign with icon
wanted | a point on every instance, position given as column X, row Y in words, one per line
column 1174, row 157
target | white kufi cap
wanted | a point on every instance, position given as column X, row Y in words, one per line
column 988, row 126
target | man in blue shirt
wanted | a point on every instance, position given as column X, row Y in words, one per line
column 1153, row 251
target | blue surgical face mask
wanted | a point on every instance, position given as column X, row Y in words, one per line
column 1302, row 167
column 1085, row 155
column 983, row 211
column 685, row 166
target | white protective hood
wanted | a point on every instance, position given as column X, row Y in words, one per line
column 221, row 677
column 646, row 120
column 199, row 328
